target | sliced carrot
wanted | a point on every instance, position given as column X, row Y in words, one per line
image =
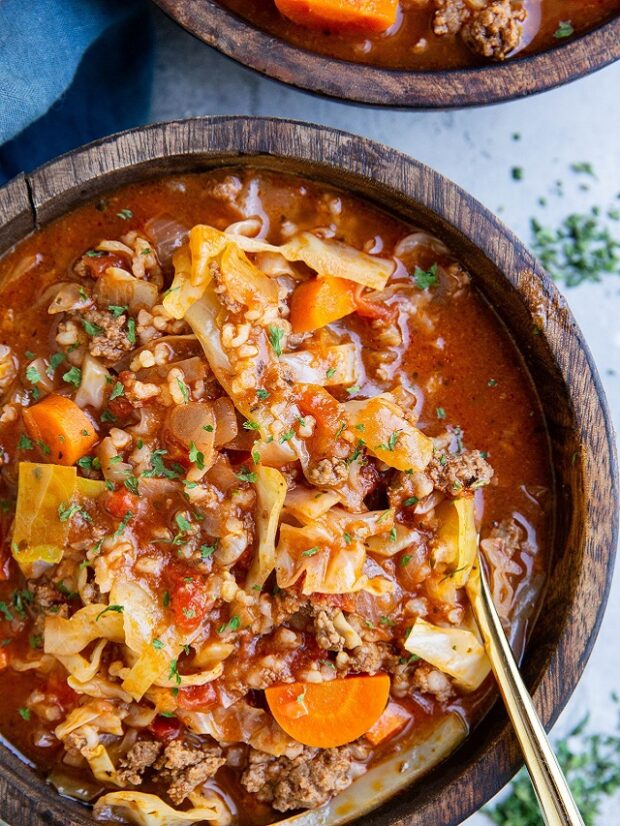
column 325, row 715
column 364, row 16
column 393, row 720
column 320, row 301
column 59, row 428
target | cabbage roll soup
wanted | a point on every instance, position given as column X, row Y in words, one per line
column 425, row 34
column 252, row 432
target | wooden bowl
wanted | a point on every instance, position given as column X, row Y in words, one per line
column 534, row 313
column 237, row 38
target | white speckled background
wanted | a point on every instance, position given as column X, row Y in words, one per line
column 475, row 148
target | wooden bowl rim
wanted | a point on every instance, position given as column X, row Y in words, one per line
column 28, row 202
column 378, row 86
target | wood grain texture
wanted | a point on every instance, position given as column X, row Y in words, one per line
column 16, row 213
column 581, row 438
column 249, row 45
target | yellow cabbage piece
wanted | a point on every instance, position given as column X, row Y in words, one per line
column 39, row 535
column 388, row 435
column 455, row 651
column 328, row 257
column 309, row 504
column 270, row 495
column 69, row 636
column 338, row 364
column 401, row 538
column 192, row 272
column 457, row 537
column 149, row 810
column 330, row 565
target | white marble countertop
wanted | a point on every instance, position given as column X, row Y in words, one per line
column 475, row 148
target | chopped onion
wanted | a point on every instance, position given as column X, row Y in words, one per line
column 167, row 235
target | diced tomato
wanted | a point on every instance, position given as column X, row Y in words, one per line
column 166, row 728
column 189, row 597
column 122, row 409
column 198, row 697
column 120, row 502
column 98, row 264
column 346, row 602
column 371, row 309
column 58, row 689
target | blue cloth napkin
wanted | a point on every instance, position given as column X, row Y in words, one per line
column 70, row 71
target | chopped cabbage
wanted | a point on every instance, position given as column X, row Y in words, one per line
column 117, row 286
column 149, row 810
column 400, row 538
column 455, row 651
column 388, row 435
column 92, row 622
column 457, row 538
column 338, row 364
column 94, row 384
column 270, row 495
column 39, row 532
column 308, row 504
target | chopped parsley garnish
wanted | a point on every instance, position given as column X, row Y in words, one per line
column 393, row 535
column 173, row 674
column 6, row 611
column 117, row 390
column 250, row 425
column 24, row 443
column 183, row 524
column 387, row 622
column 158, row 645
column 246, row 475
column 347, row 538
column 131, row 330
column 55, row 360
column 564, row 29
column 124, row 214
column 353, row 391
column 123, row 524
column 131, row 483
column 196, row 456
column 206, row 551
column 233, row 624
column 165, row 600
column 492, row 383
column 311, row 551
column 425, row 279
column 441, row 413
column 262, row 394
column 582, row 249
column 275, row 339
column 73, row 376
column 32, row 374
column 405, row 560
column 330, row 373
column 391, row 444
column 286, row 437
column 91, row 329
column 117, row 310
column 66, row 510
column 184, row 390
column 110, row 609
column 411, row 500
column 24, row 713
column 158, row 467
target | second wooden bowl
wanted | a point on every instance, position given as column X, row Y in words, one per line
column 246, row 43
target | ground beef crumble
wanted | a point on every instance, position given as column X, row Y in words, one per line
column 138, row 759
column 112, row 342
column 458, row 473
column 450, row 16
column 301, row 783
column 494, row 31
column 184, row 766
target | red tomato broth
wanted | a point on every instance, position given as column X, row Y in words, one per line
column 468, row 369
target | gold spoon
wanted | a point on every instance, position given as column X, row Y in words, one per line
column 557, row 804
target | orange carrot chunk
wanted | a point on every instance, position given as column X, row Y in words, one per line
column 320, row 301
column 60, row 430
column 362, row 16
column 325, row 715
column 393, row 720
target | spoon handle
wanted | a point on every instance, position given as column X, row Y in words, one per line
column 554, row 796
